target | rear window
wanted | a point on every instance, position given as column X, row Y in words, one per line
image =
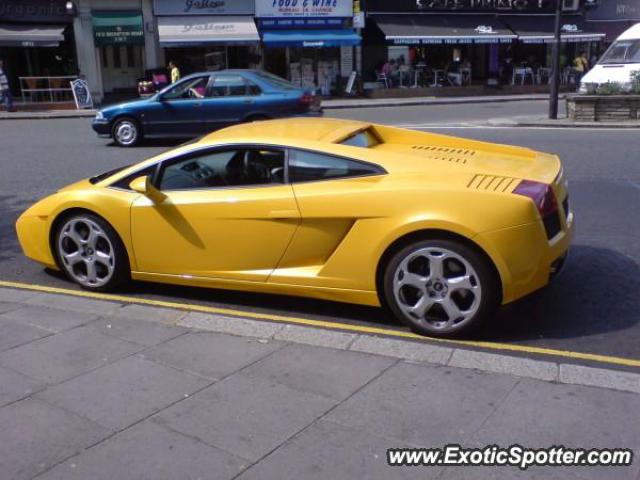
column 364, row 139
column 622, row 51
column 275, row 80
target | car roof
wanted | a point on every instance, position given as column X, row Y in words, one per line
column 632, row 33
column 290, row 131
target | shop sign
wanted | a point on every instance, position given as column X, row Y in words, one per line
column 624, row 10
column 203, row 7
column 304, row 8
column 81, row 94
column 495, row 6
column 117, row 28
column 35, row 11
column 358, row 20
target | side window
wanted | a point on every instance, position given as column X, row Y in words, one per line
column 253, row 89
column 226, row 168
column 307, row 166
column 192, row 88
column 124, row 182
column 228, row 86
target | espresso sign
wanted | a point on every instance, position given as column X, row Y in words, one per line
column 486, row 6
column 203, row 7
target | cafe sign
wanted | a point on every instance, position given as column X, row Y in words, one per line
column 479, row 6
column 303, row 14
column 117, row 28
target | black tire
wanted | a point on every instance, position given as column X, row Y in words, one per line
column 481, row 299
column 126, row 132
column 120, row 271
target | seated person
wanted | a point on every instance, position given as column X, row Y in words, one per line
column 453, row 72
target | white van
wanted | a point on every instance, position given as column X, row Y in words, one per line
column 618, row 62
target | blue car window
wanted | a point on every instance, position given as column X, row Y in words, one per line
column 188, row 89
column 228, row 86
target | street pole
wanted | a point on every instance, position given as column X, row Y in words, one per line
column 555, row 66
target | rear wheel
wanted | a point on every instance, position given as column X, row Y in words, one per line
column 440, row 288
column 126, row 132
column 91, row 253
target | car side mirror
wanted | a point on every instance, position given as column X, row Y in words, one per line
column 144, row 186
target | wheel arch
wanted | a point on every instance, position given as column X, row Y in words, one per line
column 431, row 234
column 69, row 212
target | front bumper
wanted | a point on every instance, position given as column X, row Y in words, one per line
column 101, row 126
column 525, row 258
column 33, row 235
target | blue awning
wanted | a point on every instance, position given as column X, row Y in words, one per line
column 310, row 38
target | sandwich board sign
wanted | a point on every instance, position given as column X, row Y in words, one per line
column 81, row 94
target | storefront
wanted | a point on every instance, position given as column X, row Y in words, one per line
column 37, row 46
column 310, row 43
column 441, row 43
column 119, row 41
column 201, row 36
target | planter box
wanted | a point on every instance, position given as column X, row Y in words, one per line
column 466, row 91
column 603, row 108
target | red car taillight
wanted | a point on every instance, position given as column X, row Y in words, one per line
column 541, row 194
column 306, row 98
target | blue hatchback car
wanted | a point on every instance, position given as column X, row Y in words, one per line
column 202, row 102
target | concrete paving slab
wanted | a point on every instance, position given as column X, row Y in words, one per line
column 425, row 405
column 230, row 325
column 316, row 336
column 247, row 416
column 508, row 473
column 66, row 355
column 149, row 451
column 52, row 319
column 15, row 386
column 334, row 451
column 9, row 306
column 14, row 333
column 492, row 362
column 145, row 312
column 36, row 436
column 16, row 295
column 415, row 351
column 76, row 304
column 142, row 332
column 600, row 377
column 211, row 355
column 543, row 414
column 124, row 392
column 319, row 370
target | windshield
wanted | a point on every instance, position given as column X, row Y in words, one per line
column 622, row 51
column 275, row 80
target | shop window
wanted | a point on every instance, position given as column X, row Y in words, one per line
column 105, row 58
column 117, row 63
column 305, row 166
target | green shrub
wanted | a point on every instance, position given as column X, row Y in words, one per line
column 609, row 88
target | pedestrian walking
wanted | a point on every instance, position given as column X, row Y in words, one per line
column 174, row 71
column 5, row 90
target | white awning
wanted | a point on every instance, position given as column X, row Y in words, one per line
column 31, row 35
column 204, row 30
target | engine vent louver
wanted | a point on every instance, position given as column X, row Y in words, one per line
column 455, row 155
column 492, row 183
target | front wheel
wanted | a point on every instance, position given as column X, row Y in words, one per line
column 91, row 253
column 126, row 132
column 440, row 288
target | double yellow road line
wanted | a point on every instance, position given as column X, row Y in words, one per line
column 496, row 346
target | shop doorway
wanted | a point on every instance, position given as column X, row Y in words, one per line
column 122, row 66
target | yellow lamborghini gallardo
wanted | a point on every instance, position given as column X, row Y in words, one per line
column 440, row 230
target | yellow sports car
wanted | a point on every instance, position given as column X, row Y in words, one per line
column 439, row 229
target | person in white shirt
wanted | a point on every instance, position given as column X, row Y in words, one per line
column 5, row 90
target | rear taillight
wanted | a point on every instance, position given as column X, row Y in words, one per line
column 306, row 98
column 541, row 194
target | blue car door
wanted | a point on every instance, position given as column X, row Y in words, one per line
column 179, row 110
column 228, row 102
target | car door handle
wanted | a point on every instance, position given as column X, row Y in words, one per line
column 284, row 214
column 196, row 105
column 248, row 100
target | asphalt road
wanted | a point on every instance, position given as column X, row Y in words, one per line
column 594, row 306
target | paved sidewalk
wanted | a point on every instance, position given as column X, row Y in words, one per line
column 339, row 103
column 101, row 390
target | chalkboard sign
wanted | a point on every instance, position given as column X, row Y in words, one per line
column 81, row 94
